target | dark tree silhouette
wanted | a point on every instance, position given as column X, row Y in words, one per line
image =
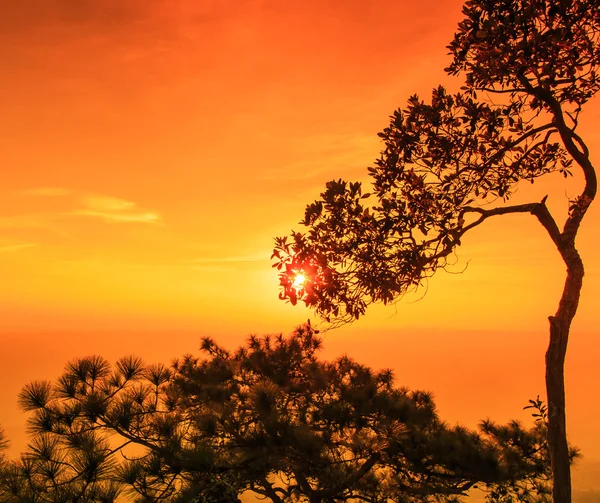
column 50, row 472
column 446, row 162
column 270, row 418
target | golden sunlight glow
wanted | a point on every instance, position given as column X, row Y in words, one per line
column 148, row 185
column 299, row 281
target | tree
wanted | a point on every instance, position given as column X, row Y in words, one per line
column 536, row 488
column 270, row 418
column 99, row 431
column 445, row 164
column 45, row 474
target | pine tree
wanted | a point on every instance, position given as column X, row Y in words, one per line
column 270, row 418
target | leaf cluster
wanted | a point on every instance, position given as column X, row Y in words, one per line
column 518, row 45
column 452, row 162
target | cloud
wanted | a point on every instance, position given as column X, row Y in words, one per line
column 148, row 217
column 106, row 208
column 115, row 210
column 226, row 263
column 256, row 257
column 105, row 203
column 211, row 268
column 325, row 155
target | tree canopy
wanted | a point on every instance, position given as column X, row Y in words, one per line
column 451, row 163
column 271, row 418
column 443, row 160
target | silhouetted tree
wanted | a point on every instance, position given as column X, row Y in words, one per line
column 536, row 487
column 75, row 471
column 270, row 418
column 445, row 162
column 4, row 443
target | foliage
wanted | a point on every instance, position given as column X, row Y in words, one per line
column 529, row 489
column 443, row 160
column 270, row 417
column 448, row 165
column 439, row 159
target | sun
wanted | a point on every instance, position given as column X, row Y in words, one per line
column 299, row 281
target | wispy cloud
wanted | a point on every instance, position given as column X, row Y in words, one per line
column 212, row 268
column 106, row 203
column 256, row 257
column 115, row 210
column 323, row 155
column 76, row 205
column 226, row 263
column 107, row 208
column 141, row 218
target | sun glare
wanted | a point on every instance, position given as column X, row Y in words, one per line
column 299, row 280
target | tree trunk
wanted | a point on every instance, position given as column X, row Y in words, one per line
column 557, row 433
column 560, row 325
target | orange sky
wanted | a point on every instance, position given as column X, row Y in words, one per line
column 152, row 149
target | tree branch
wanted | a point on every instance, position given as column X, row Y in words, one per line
column 515, row 143
column 268, row 490
column 540, row 210
column 579, row 154
column 355, row 477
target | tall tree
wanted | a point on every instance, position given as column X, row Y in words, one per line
column 271, row 418
column 447, row 166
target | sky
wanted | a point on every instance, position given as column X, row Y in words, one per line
column 151, row 150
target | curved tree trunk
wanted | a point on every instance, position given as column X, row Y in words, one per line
column 560, row 325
